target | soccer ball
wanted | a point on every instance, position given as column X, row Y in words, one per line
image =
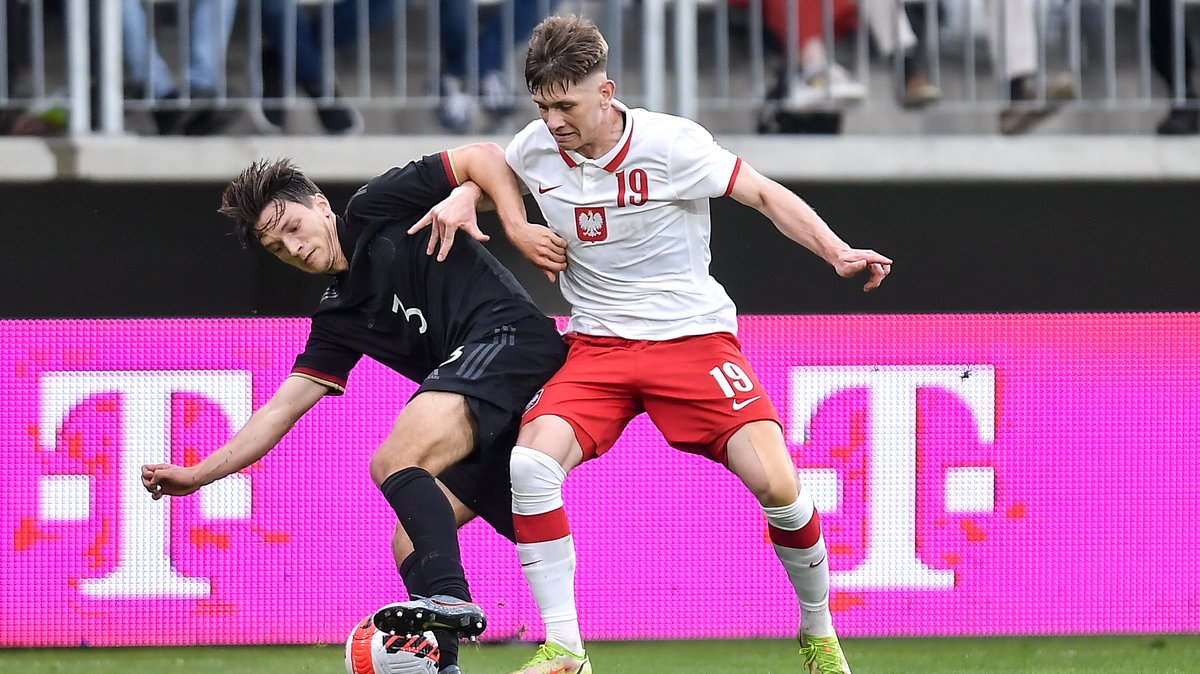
column 369, row 651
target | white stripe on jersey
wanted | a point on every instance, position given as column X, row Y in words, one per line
column 637, row 226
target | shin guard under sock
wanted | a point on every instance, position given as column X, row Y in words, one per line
column 544, row 543
column 795, row 531
column 428, row 519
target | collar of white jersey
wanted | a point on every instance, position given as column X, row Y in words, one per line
column 611, row 161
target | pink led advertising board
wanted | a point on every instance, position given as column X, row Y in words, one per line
column 977, row 474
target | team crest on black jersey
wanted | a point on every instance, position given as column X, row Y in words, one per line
column 591, row 224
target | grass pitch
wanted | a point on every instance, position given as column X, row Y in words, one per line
column 1158, row 654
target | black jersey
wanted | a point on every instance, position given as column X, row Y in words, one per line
column 400, row 306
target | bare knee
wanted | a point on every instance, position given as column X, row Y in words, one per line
column 780, row 492
column 434, row 457
column 385, row 461
column 554, row 437
column 758, row 455
column 772, row 490
column 434, row 431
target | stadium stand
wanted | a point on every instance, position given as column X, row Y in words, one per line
column 702, row 58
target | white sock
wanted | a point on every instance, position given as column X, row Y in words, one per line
column 807, row 568
column 549, row 566
column 550, row 571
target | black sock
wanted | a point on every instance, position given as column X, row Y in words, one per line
column 428, row 520
column 1016, row 88
column 416, row 585
column 448, row 647
column 411, row 574
column 910, row 66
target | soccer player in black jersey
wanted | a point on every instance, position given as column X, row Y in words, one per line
column 461, row 327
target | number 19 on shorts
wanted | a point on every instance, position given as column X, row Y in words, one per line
column 732, row 379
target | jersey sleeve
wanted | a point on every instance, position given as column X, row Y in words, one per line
column 700, row 168
column 512, row 155
column 405, row 192
column 325, row 360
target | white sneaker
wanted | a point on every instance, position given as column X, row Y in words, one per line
column 814, row 89
column 495, row 95
column 843, row 87
column 454, row 111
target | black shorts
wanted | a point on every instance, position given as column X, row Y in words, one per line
column 498, row 372
column 485, row 489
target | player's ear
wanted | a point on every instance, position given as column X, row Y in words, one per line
column 608, row 89
column 321, row 203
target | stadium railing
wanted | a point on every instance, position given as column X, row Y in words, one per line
column 699, row 58
column 702, row 58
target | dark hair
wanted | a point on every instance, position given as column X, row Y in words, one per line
column 564, row 50
column 263, row 183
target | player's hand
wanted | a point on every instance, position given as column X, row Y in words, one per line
column 453, row 213
column 541, row 246
column 853, row 262
column 164, row 479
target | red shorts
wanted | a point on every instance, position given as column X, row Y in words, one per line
column 697, row 390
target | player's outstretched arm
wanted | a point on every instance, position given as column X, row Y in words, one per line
column 262, row 432
column 799, row 222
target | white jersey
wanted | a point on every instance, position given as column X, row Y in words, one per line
column 636, row 223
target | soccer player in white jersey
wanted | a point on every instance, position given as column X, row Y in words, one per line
column 627, row 192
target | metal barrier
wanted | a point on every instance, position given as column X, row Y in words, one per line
column 68, row 61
